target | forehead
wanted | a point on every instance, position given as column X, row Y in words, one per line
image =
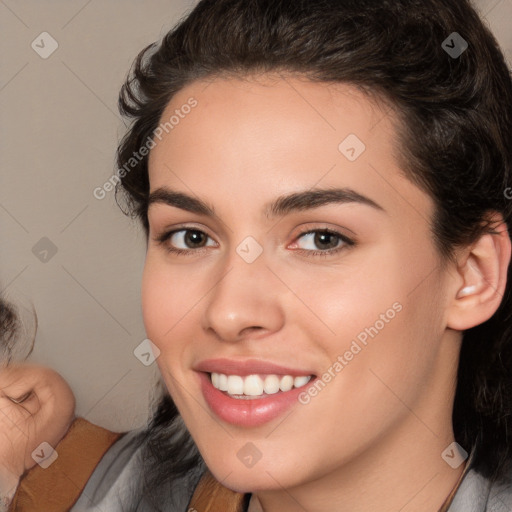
column 252, row 110
column 270, row 135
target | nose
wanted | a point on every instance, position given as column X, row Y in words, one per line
column 245, row 301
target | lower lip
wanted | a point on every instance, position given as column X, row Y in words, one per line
column 251, row 412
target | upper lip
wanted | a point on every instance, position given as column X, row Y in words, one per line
column 247, row 367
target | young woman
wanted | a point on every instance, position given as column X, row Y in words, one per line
column 325, row 188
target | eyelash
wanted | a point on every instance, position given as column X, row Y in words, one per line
column 347, row 242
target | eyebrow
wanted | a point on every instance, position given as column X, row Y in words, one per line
column 279, row 207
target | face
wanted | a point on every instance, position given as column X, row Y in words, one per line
column 343, row 288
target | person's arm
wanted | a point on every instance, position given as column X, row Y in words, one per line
column 36, row 406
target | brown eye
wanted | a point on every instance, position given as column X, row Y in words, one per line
column 185, row 240
column 323, row 241
column 194, row 238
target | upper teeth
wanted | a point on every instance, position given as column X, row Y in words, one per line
column 254, row 385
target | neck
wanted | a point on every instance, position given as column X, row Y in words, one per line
column 410, row 477
column 401, row 470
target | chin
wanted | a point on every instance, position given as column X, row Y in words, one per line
column 258, row 478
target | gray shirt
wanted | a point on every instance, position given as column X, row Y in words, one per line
column 113, row 486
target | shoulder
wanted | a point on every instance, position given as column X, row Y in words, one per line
column 62, row 471
column 117, row 482
column 478, row 494
column 500, row 497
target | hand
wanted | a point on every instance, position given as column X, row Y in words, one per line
column 36, row 405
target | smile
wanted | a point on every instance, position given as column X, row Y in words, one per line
column 256, row 386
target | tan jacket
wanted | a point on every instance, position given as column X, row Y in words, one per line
column 57, row 488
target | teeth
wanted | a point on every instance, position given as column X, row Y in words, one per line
column 223, row 382
column 235, row 385
column 254, row 385
column 300, row 381
column 271, row 384
column 286, row 383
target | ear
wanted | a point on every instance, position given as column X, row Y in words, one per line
column 481, row 278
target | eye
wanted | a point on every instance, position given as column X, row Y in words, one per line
column 322, row 242
column 22, row 398
column 318, row 242
column 184, row 241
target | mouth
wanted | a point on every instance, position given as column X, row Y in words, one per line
column 251, row 393
column 256, row 386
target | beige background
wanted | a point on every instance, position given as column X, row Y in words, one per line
column 59, row 129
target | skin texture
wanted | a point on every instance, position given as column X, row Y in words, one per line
column 44, row 415
column 372, row 438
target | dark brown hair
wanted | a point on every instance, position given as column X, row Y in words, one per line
column 455, row 134
column 9, row 326
column 18, row 327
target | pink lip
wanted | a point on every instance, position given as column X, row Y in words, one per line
column 247, row 367
column 251, row 412
column 248, row 413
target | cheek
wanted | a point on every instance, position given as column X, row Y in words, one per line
column 340, row 303
column 163, row 297
column 169, row 307
column 383, row 315
column 162, row 305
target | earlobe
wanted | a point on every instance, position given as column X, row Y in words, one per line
column 481, row 278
